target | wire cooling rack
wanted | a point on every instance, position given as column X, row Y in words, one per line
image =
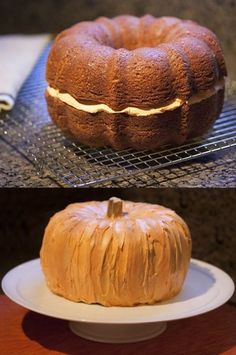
column 29, row 130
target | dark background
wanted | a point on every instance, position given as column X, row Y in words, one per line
column 210, row 214
column 31, row 16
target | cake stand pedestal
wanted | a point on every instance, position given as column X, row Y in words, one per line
column 206, row 287
column 117, row 333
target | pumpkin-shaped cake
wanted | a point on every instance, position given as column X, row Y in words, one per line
column 116, row 253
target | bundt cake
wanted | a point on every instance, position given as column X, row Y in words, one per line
column 115, row 253
column 135, row 82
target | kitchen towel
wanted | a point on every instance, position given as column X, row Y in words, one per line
column 18, row 55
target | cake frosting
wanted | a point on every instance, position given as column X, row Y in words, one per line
column 139, row 255
column 130, row 82
column 134, row 111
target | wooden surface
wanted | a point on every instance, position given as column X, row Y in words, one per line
column 26, row 332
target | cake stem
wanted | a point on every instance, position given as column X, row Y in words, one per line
column 114, row 208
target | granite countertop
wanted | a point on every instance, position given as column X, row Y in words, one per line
column 16, row 171
column 214, row 170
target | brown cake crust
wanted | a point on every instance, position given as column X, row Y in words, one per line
column 142, row 62
column 122, row 131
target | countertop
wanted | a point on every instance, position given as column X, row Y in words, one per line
column 214, row 170
column 26, row 332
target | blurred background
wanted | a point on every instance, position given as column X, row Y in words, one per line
column 209, row 213
column 31, row 16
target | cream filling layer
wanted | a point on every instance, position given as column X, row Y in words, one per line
column 134, row 111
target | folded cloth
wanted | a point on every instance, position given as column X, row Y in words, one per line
column 18, row 55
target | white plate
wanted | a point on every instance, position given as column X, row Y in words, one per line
column 206, row 287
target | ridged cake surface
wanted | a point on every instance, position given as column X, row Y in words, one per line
column 139, row 256
column 135, row 82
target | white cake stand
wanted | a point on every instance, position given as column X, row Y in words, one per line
column 206, row 288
